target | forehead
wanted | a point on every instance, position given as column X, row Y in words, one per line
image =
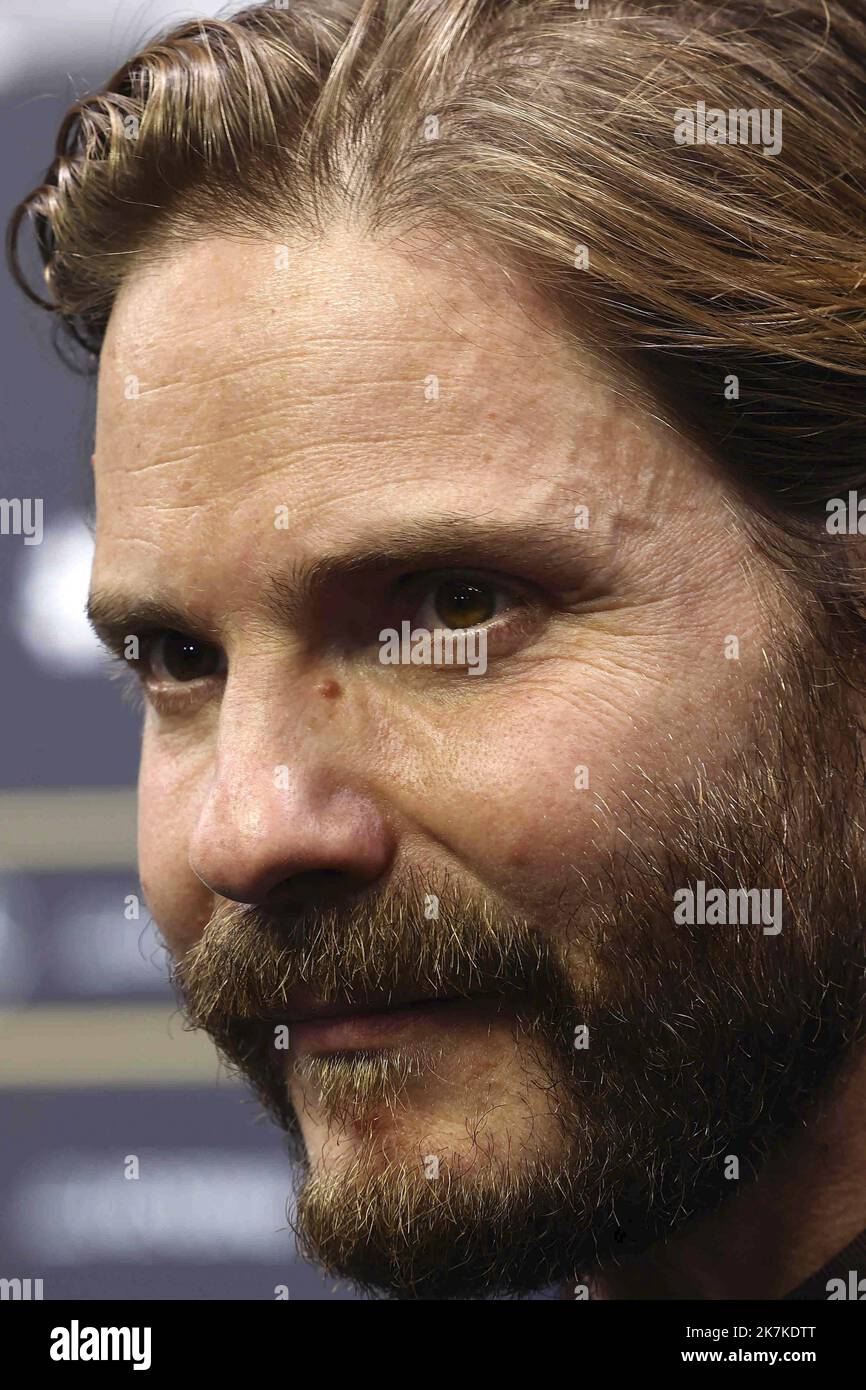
column 345, row 383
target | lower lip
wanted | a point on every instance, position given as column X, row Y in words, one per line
column 380, row 1028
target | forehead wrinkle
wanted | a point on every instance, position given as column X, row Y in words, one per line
column 356, row 411
column 370, row 319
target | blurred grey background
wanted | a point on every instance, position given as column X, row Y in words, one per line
column 98, row 1079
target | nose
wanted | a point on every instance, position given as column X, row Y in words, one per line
column 296, row 833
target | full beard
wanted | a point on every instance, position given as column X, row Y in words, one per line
column 703, row 1041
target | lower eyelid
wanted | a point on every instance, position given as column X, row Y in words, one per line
column 173, row 697
column 510, row 629
column 521, row 619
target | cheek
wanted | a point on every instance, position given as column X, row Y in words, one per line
column 178, row 900
column 537, row 778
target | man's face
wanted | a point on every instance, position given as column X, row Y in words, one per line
column 296, row 452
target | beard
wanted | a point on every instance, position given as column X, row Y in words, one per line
column 699, row 1043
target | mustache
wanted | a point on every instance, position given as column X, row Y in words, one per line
column 247, row 969
column 250, row 965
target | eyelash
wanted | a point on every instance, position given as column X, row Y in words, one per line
column 129, row 680
column 178, row 696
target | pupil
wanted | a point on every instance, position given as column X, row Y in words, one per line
column 186, row 659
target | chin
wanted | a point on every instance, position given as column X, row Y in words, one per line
column 478, row 1103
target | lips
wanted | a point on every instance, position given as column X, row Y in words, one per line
column 344, row 1026
column 305, row 1008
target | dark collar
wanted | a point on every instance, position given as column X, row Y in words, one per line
column 850, row 1260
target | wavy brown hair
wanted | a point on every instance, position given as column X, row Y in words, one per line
column 522, row 131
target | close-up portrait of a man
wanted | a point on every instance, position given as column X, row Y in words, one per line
column 478, row 450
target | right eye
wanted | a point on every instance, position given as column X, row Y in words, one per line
column 172, row 656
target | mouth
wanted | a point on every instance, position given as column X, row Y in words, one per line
column 344, row 1026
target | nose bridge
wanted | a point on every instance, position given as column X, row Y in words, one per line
column 286, row 796
column 272, row 735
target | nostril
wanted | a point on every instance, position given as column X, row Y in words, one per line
column 313, row 888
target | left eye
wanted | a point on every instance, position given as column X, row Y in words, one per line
column 461, row 603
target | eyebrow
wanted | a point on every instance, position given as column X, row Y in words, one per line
column 547, row 550
column 114, row 616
